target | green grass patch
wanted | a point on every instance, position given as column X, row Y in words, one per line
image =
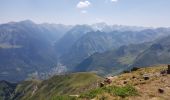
column 92, row 93
column 53, row 88
column 124, row 91
column 64, row 97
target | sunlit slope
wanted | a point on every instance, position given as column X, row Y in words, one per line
column 72, row 84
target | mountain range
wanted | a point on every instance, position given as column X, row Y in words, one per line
column 29, row 49
column 127, row 57
column 98, row 41
column 26, row 47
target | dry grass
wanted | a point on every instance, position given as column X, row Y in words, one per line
column 148, row 89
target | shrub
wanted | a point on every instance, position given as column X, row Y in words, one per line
column 92, row 93
column 126, row 71
column 135, row 69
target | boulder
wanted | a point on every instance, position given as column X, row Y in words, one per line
column 146, row 77
column 101, row 84
column 160, row 90
column 163, row 72
column 133, row 77
column 125, row 82
column 108, row 81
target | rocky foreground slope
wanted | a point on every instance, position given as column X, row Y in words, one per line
column 152, row 83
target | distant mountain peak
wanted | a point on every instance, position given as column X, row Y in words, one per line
column 99, row 26
column 27, row 22
column 100, row 23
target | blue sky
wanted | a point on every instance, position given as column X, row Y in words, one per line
column 125, row 12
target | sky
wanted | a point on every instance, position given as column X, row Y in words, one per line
column 155, row 13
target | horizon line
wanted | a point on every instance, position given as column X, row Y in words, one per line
column 18, row 21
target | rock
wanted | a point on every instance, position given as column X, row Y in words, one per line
column 125, row 82
column 146, row 77
column 160, row 90
column 108, row 81
column 133, row 77
column 101, row 84
column 110, row 77
column 163, row 72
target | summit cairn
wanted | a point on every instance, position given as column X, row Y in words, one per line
column 168, row 71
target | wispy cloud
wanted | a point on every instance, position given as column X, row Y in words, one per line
column 84, row 11
column 83, row 4
column 114, row 0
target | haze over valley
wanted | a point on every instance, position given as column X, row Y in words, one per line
column 28, row 48
column 84, row 50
